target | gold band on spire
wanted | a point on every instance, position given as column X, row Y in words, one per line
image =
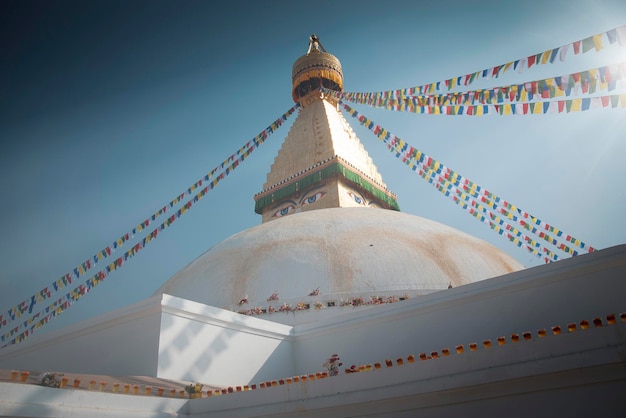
column 314, row 70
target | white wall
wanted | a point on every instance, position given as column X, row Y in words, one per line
column 173, row 338
column 19, row 400
column 123, row 343
column 572, row 374
column 217, row 347
column 581, row 288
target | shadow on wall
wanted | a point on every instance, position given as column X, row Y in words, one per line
column 278, row 365
column 221, row 353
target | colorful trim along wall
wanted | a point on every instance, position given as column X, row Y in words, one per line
column 196, row 390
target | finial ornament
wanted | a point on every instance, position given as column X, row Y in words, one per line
column 316, row 69
column 314, row 42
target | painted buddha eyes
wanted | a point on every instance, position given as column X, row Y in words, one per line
column 291, row 206
column 307, row 200
column 356, row 198
column 285, row 211
column 308, row 197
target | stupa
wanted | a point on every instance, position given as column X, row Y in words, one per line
column 336, row 234
column 425, row 319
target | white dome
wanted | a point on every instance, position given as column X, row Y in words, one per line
column 343, row 252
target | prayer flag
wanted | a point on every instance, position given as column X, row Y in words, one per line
column 587, row 44
column 621, row 35
column 553, row 54
column 597, row 41
column 585, row 103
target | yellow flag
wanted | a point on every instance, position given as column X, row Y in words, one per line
column 597, row 41
column 558, row 92
column 576, row 105
column 524, row 95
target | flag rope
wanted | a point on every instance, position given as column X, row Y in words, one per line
column 594, row 42
column 61, row 304
column 418, row 158
column 607, row 78
column 522, row 108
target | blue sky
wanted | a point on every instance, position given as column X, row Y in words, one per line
column 110, row 109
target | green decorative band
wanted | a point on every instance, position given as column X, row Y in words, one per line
column 334, row 169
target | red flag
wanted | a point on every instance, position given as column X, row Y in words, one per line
column 604, row 100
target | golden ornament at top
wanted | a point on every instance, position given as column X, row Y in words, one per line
column 316, row 69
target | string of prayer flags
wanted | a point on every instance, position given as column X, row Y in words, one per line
column 29, row 326
column 594, row 42
column 595, row 80
column 492, row 220
column 399, row 147
column 26, row 306
column 443, row 185
column 506, row 109
column 495, row 202
column 416, row 159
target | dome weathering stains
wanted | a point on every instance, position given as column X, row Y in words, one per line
column 343, row 252
column 332, row 237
